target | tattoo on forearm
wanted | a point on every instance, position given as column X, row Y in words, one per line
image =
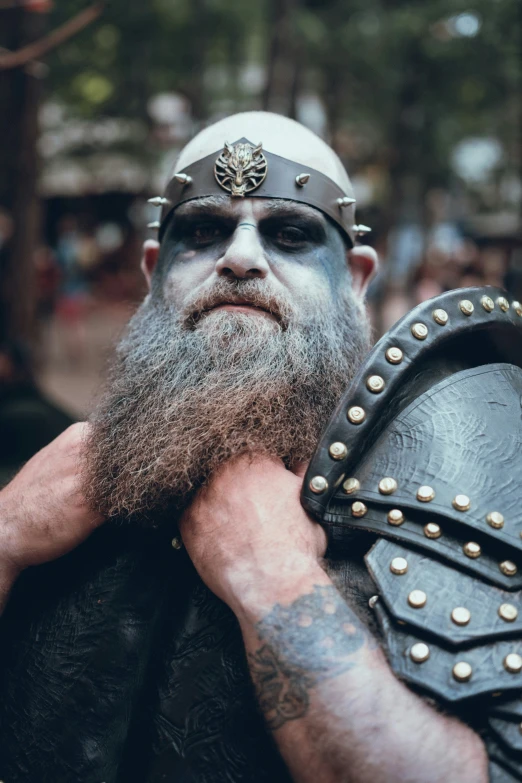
column 311, row 640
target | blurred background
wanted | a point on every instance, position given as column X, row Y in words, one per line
column 420, row 98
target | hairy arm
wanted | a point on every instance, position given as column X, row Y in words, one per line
column 336, row 710
column 43, row 512
column 325, row 689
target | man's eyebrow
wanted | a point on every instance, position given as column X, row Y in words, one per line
column 204, row 204
column 284, row 207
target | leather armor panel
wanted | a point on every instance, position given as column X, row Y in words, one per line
column 435, row 674
column 442, row 585
column 447, row 418
column 446, row 439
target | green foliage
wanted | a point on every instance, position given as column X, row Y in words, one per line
column 399, row 67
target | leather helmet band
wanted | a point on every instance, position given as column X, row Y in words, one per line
column 245, row 169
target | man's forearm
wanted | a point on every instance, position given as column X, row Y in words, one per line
column 337, row 711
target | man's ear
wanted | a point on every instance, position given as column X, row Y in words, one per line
column 149, row 259
column 363, row 262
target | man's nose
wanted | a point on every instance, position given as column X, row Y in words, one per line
column 245, row 257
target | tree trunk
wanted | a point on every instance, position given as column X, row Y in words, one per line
column 19, row 98
column 283, row 67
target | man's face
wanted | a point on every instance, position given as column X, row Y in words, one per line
column 292, row 248
column 251, row 333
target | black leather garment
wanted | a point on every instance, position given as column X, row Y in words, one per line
column 118, row 665
column 424, row 452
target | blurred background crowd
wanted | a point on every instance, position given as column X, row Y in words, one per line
column 422, row 100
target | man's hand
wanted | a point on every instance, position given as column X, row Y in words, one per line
column 248, row 527
column 322, row 683
column 43, row 514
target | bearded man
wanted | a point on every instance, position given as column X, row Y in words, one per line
column 125, row 658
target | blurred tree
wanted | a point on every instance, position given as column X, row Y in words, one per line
column 140, row 49
column 402, row 81
column 284, row 65
column 19, row 98
column 21, row 33
column 418, row 77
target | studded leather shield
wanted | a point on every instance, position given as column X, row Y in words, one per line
column 425, row 452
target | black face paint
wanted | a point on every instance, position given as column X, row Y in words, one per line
column 289, row 235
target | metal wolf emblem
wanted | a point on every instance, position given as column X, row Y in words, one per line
column 240, row 168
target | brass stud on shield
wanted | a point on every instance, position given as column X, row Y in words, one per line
column 460, row 615
column 395, row 517
column 419, row 652
column 508, row 567
column 503, row 304
column 356, row 414
column 399, row 565
column 487, row 303
column 513, row 663
column 351, row 485
column 387, row 486
column 472, row 549
column 394, row 355
column 425, row 494
column 417, row 599
column 375, row 384
column 440, row 317
column 461, row 503
column 508, row 612
column 432, row 530
column 466, row 306
column 495, row 519
column 338, row 450
column 318, row 485
column 419, row 331
column 462, row 671
column 359, row 509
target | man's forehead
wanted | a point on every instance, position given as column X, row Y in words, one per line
column 266, row 207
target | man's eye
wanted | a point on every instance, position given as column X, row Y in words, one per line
column 206, row 234
column 290, row 235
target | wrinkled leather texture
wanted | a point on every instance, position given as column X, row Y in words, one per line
column 462, row 436
column 463, row 342
column 445, row 588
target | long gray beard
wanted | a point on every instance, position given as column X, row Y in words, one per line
column 182, row 401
